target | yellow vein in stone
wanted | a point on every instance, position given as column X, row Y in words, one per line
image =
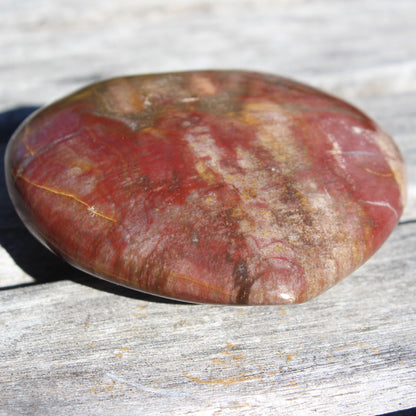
column 90, row 208
column 198, row 282
column 26, row 144
column 384, row 175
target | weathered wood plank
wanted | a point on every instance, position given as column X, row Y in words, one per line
column 82, row 347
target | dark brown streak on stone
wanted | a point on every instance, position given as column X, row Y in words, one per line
column 175, row 183
column 292, row 198
column 151, row 274
column 242, row 281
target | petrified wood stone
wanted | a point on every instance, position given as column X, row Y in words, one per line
column 215, row 186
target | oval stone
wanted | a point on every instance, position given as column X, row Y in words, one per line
column 225, row 187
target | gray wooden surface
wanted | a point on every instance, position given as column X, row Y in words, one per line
column 70, row 344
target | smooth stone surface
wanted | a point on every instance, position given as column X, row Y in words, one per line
column 215, row 186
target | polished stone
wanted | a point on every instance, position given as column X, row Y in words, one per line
column 225, row 187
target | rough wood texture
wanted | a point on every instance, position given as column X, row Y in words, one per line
column 73, row 345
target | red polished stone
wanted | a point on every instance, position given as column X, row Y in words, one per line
column 216, row 186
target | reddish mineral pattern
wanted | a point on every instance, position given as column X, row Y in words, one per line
column 224, row 187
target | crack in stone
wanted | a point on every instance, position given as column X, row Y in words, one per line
column 90, row 208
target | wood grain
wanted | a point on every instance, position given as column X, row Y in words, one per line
column 70, row 344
